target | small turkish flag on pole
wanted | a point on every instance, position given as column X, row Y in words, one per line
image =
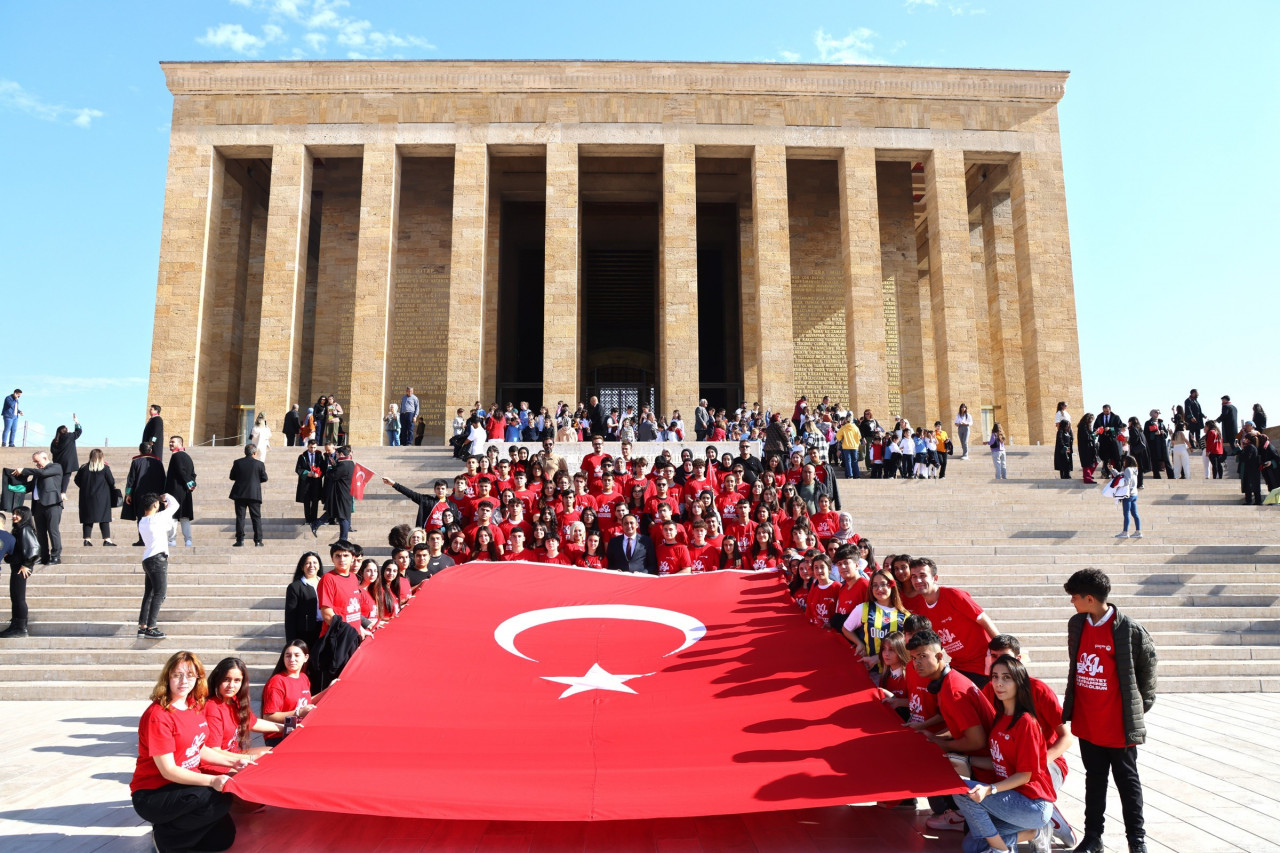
column 359, row 480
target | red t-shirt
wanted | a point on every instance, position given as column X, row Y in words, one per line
column 743, row 531
column 704, row 559
column 591, row 561
column 499, row 538
column 523, row 554
column 1048, row 715
column 343, row 595
column 825, row 524
column 560, row 559
column 671, row 558
column 692, row 488
column 764, row 562
column 223, row 720
column 507, row 526
column 285, row 694
column 895, row 682
column 591, row 462
column 922, row 704
column 655, row 533
column 1019, row 748
column 821, row 603
column 853, row 594
column 954, row 618
column 167, row 731
column 727, row 504
column 1097, row 716
column 433, row 515
column 963, row 706
column 528, row 497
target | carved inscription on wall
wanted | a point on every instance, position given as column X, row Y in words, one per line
column 893, row 360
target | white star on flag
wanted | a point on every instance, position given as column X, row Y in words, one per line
column 597, row 678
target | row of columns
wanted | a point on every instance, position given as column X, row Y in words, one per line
column 1027, row 260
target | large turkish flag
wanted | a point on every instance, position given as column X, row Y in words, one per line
column 520, row 691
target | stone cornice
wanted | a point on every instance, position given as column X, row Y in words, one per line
column 666, row 78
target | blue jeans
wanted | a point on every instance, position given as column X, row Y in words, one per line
column 1004, row 814
column 10, row 431
column 393, row 437
column 1129, row 506
column 997, row 459
column 850, row 460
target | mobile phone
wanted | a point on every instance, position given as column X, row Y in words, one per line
column 290, row 723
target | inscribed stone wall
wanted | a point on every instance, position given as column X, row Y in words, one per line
column 817, row 284
column 418, row 348
column 252, row 317
column 339, row 185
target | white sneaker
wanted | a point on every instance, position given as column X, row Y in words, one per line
column 948, row 820
column 1137, row 535
column 1043, row 840
column 1122, row 535
column 1061, row 829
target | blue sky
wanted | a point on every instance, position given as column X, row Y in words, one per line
column 1168, row 126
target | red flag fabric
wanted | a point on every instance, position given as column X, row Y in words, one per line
column 521, row 691
column 359, row 480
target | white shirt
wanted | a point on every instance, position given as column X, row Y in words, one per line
column 1061, row 416
column 154, row 529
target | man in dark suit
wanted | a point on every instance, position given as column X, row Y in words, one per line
column 44, row 481
column 338, row 502
column 292, row 426
column 1110, row 425
column 247, row 476
column 595, row 410
column 1194, row 415
column 1229, row 426
column 154, row 431
column 310, row 470
column 632, row 551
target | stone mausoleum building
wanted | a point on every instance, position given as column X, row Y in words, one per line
column 894, row 237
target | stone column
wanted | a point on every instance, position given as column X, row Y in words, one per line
column 375, row 269
column 951, row 284
column 1050, row 346
column 283, row 282
column 466, row 279
column 863, row 281
column 999, row 263
column 562, row 313
column 678, row 376
column 773, row 277
column 188, row 240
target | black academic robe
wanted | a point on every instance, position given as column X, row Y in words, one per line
column 1087, row 444
column 180, row 481
column 1250, row 472
column 64, row 452
column 338, row 502
column 1063, row 450
column 292, row 424
column 309, row 488
column 1195, row 415
column 1110, row 426
column 1229, row 426
column 1157, row 444
column 146, row 476
column 1138, row 449
column 95, row 494
column 154, row 433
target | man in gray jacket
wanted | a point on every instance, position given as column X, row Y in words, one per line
column 1111, row 684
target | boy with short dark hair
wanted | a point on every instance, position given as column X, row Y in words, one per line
column 1111, row 684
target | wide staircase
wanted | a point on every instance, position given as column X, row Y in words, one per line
column 1204, row 580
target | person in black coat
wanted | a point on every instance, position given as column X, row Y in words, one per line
column 1107, row 427
column 63, row 448
column 1138, row 449
column 338, row 503
column 22, row 561
column 1063, row 450
column 631, row 550
column 310, row 469
column 44, row 482
column 1157, row 437
column 247, row 476
column 1228, row 425
column 301, row 606
column 1087, row 444
column 180, row 481
column 1194, row 415
column 292, row 426
column 1250, row 471
column 153, row 432
column 145, row 477
column 96, row 484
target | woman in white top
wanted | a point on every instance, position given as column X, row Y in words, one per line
column 1061, row 415
column 874, row 619
column 963, row 421
column 260, row 437
column 477, row 437
column 1127, row 494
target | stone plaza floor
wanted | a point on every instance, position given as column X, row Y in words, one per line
column 1209, row 772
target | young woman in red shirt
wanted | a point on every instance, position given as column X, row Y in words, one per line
column 893, row 668
column 230, row 719
column 1019, row 804
column 730, row 555
column 187, row 809
column 367, row 574
column 820, row 603
column 386, row 593
column 593, row 554
column 288, row 691
column 764, row 553
column 551, row 552
column 458, row 550
column 536, row 546
column 486, row 549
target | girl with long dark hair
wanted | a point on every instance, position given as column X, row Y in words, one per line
column 230, row 719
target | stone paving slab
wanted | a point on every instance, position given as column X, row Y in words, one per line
column 1210, row 784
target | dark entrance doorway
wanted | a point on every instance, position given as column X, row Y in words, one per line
column 520, row 295
column 719, row 311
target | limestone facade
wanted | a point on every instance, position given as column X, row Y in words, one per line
column 893, row 237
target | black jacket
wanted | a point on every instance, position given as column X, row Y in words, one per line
column 1194, row 414
column 309, row 488
column 154, row 433
column 333, row 651
column 1135, row 671
column 95, row 494
column 425, row 503
column 301, row 613
column 292, row 423
column 146, row 476
column 1063, row 448
column 26, row 547
column 644, row 558
column 47, row 481
column 338, row 502
column 64, row 452
column 180, row 481
column 1228, row 425
column 247, row 476
column 1087, row 444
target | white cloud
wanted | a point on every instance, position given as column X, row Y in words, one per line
column 856, row 48
column 13, row 96
column 789, row 56
column 317, row 24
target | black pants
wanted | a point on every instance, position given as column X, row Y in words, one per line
column 1215, row 461
column 104, row 526
column 254, row 508
column 186, row 817
column 49, row 530
column 1252, row 488
column 942, row 462
column 18, row 595
column 290, row 440
column 344, row 524
column 156, row 571
column 1122, row 764
column 311, row 510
